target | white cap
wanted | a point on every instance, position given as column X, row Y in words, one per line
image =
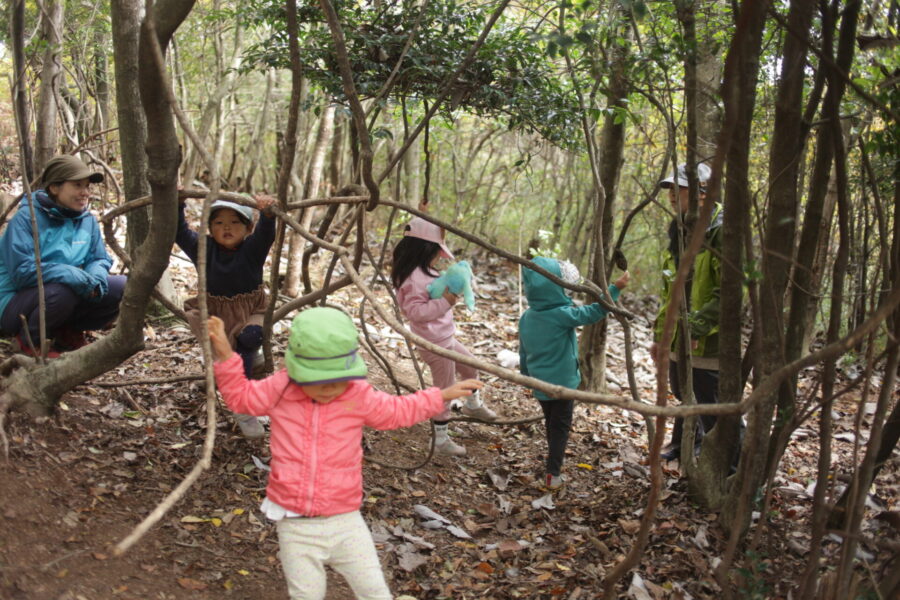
column 703, row 173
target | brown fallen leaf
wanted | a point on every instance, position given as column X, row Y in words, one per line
column 191, row 584
column 485, row 567
column 629, row 526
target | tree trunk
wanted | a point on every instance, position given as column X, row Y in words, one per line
column 803, row 293
column 411, row 166
column 592, row 345
column 213, row 106
column 20, row 94
column 47, row 138
column 254, row 146
column 311, row 189
column 126, row 24
column 38, row 390
column 101, row 81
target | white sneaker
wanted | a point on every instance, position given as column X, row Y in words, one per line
column 251, row 428
column 449, row 448
column 554, row 482
column 481, row 412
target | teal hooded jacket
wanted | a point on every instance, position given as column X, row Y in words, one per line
column 548, row 346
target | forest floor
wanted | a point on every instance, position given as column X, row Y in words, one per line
column 78, row 482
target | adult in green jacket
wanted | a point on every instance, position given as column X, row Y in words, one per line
column 702, row 292
column 548, row 348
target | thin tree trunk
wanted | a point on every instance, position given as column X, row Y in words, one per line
column 254, row 146
column 592, row 345
column 46, row 136
column 20, row 95
column 101, row 79
column 212, row 108
column 310, row 190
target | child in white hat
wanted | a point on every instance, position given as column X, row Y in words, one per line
column 318, row 406
column 236, row 252
column 413, row 269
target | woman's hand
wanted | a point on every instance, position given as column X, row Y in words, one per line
column 220, row 345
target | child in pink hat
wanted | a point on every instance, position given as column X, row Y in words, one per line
column 414, row 267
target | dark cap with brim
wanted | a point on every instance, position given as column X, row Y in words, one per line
column 68, row 168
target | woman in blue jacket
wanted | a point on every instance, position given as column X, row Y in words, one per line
column 548, row 348
column 80, row 294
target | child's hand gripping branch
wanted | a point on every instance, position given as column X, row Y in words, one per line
column 460, row 389
column 219, row 340
column 264, row 203
column 622, row 282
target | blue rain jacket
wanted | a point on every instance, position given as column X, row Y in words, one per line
column 72, row 250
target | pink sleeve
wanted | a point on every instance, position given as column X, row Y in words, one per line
column 384, row 411
column 242, row 395
column 417, row 305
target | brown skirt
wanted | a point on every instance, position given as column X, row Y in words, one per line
column 237, row 311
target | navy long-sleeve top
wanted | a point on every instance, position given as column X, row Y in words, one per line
column 230, row 272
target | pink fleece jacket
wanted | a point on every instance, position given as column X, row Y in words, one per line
column 430, row 318
column 316, row 448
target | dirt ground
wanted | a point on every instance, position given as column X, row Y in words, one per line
column 78, row 482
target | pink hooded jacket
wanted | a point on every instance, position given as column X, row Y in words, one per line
column 430, row 318
column 316, row 448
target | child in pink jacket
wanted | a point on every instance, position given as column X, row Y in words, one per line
column 318, row 406
column 413, row 268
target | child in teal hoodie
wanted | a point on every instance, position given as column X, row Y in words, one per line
column 548, row 348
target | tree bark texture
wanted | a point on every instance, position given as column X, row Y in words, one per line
column 47, row 138
column 126, row 25
column 37, row 391
column 592, row 344
column 311, row 189
column 20, row 96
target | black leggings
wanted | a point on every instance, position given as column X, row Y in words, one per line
column 558, row 421
column 247, row 343
column 706, row 391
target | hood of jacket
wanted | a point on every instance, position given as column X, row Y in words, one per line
column 540, row 291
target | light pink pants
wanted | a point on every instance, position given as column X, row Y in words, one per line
column 444, row 370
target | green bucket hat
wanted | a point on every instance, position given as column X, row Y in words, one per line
column 323, row 348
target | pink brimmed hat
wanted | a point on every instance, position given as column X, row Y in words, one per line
column 425, row 230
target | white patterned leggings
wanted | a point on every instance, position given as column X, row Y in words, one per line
column 342, row 542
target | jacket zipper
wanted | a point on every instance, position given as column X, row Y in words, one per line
column 314, row 459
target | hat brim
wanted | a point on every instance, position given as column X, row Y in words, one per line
column 669, row 182
column 319, row 371
column 92, row 176
column 446, row 251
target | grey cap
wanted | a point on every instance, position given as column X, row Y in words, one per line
column 245, row 213
column 703, row 174
column 68, row 168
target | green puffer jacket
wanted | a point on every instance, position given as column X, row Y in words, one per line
column 548, row 346
column 704, row 307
